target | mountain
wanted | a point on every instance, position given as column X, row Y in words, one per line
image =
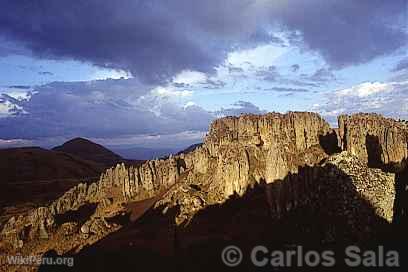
column 143, row 153
column 35, row 164
column 90, row 151
column 32, row 176
column 189, row 149
column 276, row 180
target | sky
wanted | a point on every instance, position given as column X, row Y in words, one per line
column 155, row 73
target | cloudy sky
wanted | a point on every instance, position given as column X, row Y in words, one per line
column 154, row 73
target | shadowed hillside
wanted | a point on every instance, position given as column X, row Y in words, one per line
column 88, row 150
column 34, row 163
column 33, row 176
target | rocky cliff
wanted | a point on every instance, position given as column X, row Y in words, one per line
column 292, row 156
column 374, row 139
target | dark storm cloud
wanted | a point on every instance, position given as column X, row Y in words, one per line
column 348, row 31
column 156, row 39
column 139, row 36
column 152, row 39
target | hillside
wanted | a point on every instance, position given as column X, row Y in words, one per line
column 35, row 164
column 32, row 176
column 90, row 151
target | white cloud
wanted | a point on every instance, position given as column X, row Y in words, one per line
column 5, row 108
column 18, row 94
column 14, row 142
column 366, row 89
column 9, row 106
column 171, row 92
column 190, row 77
column 264, row 55
column 189, row 104
column 389, row 99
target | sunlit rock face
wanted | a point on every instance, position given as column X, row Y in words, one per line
column 375, row 139
column 262, row 147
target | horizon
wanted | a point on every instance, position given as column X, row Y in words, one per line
column 123, row 149
column 153, row 74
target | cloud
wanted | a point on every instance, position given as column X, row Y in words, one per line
column 21, row 87
column 402, row 65
column 321, row 75
column 287, row 90
column 11, row 48
column 300, row 83
column 156, row 40
column 316, row 79
column 270, row 73
column 14, row 143
column 16, row 94
column 189, row 77
column 365, row 89
column 9, row 106
column 295, row 67
column 174, row 141
column 115, row 109
column 190, row 104
column 346, row 32
column 400, row 76
column 214, row 84
column 106, row 109
column 169, row 92
column 238, row 108
column 390, row 99
column 45, row 73
column 260, row 35
column 232, row 69
column 103, row 108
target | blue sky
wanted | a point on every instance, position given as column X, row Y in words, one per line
column 156, row 73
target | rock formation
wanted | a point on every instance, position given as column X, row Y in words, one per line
column 291, row 155
column 374, row 139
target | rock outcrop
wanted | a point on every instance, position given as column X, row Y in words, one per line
column 291, row 155
column 374, row 139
